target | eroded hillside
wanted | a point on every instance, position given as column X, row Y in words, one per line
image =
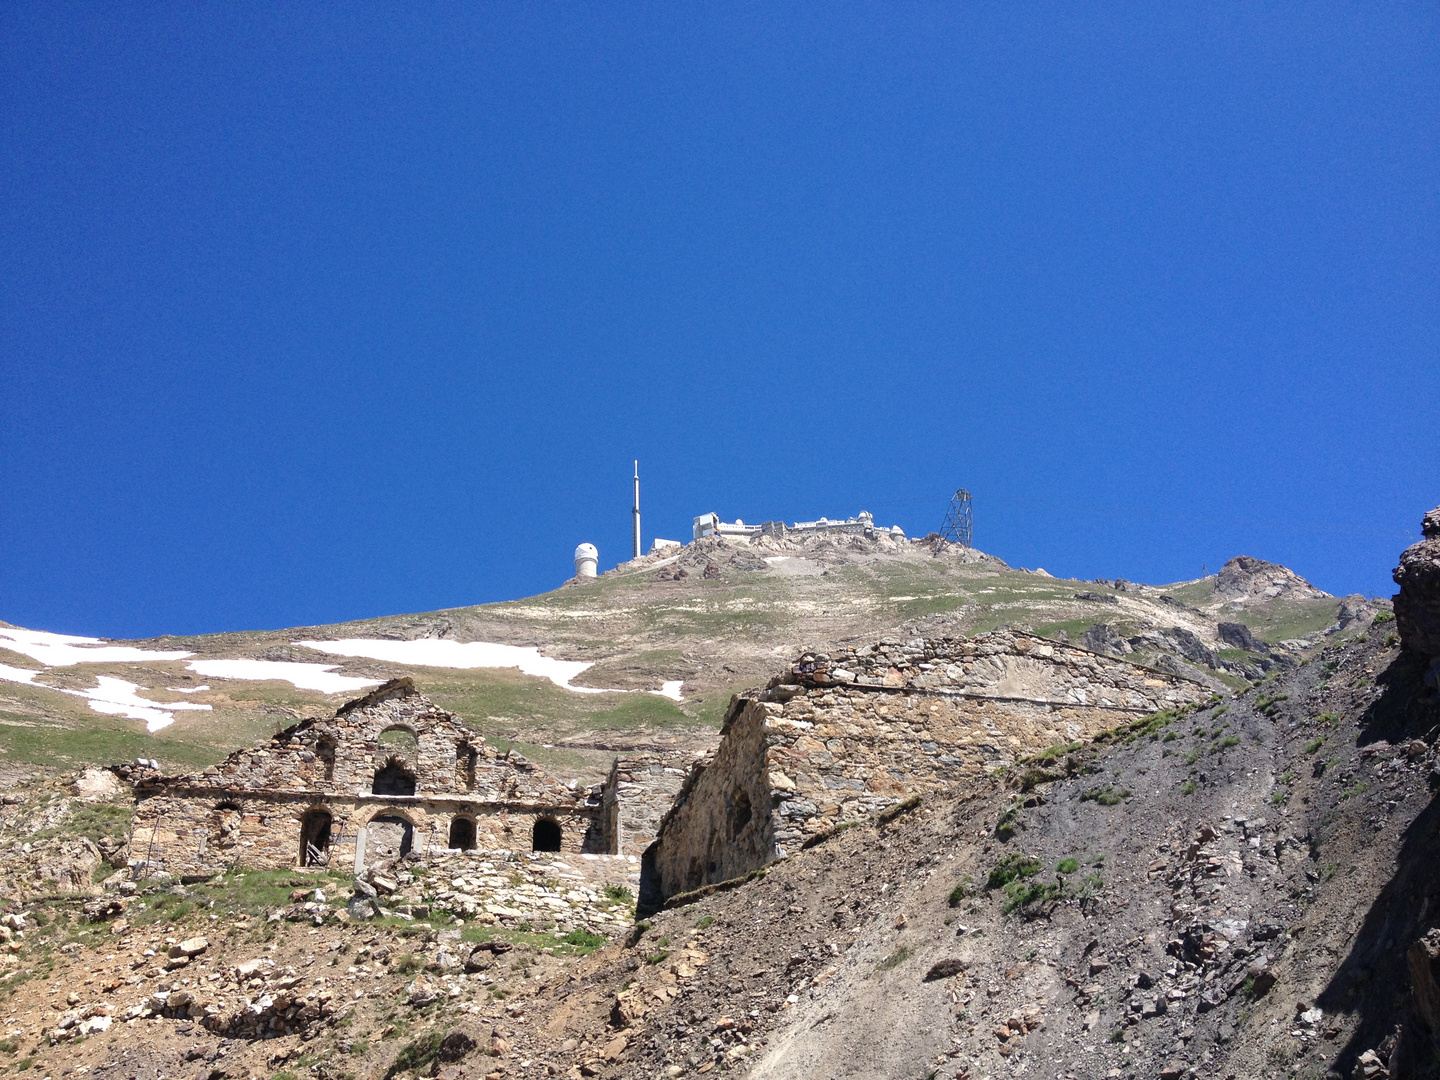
column 1225, row 890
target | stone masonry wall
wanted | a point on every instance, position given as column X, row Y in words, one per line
column 840, row 737
column 721, row 824
column 639, row 790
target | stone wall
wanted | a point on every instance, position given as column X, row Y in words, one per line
column 841, row 736
column 636, row 795
column 720, row 825
column 258, row 806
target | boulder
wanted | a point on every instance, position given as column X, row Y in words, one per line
column 1100, row 638
column 1247, row 580
column 97, row 784
column 423, row 991
column 1238, row 636
column 1417, row 605
column 102, row 908
column 70, row 866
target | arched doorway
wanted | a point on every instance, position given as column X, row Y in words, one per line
column 315, row 838
column 462, row 833
column 545, row 836
column 388, row 836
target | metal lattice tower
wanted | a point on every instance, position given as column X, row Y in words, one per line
column 959, row 527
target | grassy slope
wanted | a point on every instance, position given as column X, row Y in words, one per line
column 718, row 635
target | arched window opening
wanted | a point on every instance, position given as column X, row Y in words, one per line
column 740, row 812
column 325, row 751
column 462, row 834
column 388, row 836
column 545, row 836
column 393, row 778
column 399, row 742
column 315, row 838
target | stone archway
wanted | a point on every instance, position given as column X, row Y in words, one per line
column 388, row 836
column 546, row 835
column 462, row 833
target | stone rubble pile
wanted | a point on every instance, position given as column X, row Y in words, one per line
column 531, row 890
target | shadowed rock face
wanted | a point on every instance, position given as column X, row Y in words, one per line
column 1417, row 606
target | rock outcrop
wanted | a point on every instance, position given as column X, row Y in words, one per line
column 1417, row 605
column 1245, row 580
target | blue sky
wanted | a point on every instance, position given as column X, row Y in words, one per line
column 312, row 312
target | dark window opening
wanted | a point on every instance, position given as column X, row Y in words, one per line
column 389, row 837
column 315, row 838
column 325, row 751
column 545, row 836
column 462, row 834
column 393, row 778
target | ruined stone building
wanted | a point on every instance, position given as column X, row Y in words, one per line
column 390, row 773
column 838, row 738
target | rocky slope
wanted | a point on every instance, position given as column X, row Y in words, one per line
column 1242, row 889
column 1230, row 891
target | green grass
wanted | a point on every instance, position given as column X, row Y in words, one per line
column 417, row 1056
column 1067, row 866
column 33, row 740
column 1011, row 868
column 1020, row 893
column 583, row 939
column 92, row 821
column 1187, row 788
column 1269, row 704
column 1313, row 745
column 1108, row 795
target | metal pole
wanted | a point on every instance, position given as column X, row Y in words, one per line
column 636, row 511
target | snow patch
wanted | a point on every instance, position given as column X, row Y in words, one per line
column 319, row 677
column 113, row 697
column 438, row 652
column 64, row 650
column 116, row 697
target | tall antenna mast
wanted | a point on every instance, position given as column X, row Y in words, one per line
column 636, row 512
column 959, row 527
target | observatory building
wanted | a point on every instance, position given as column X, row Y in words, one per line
column 864, row 522
column 587, row 559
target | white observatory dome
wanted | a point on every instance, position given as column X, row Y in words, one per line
column 587, row 558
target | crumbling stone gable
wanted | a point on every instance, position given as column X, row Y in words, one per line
column 840, row 737
column 391, row 764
